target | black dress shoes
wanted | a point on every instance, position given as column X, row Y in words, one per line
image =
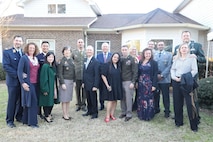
column 101, row 108
column 94, row 116
column 157, row 111
column 11, row 125
column 127, row 119
column 84, row 109
column 86, row 114
column 194, row 130
column 166, row 115
column 122, row 116
column 178, row 125
column 78, row 108
column 34, row 126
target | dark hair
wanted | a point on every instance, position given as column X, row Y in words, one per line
column 143, row 52
column 54, row 62
column 65, row 48
column 118, row 63
column 18, row 36
column 45, row 42
column 26, row 48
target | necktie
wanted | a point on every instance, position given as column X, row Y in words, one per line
column 20, row 53
column 105, row 58
column 159, row 54
column 87, row 63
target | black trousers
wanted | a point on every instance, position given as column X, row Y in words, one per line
column 80, row 94
column 101, row 95
column 157, row 100
column 178, row 99
column 92, row 103
column 47, row 110
column 164, row 88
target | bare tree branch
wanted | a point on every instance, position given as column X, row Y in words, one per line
column 5, row 20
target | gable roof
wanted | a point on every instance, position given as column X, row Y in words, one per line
column 110, row 22
column 157, row 16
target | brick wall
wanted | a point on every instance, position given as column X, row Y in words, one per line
column 115, row 40
column 62, row 38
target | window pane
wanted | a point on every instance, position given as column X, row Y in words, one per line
column 98, row 46
column 39, row 41
column 51, row 8
column 167, row 42
column 61, row 8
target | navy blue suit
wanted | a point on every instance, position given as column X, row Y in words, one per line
column 10, row 64
column 90, row 80
column 100, row 58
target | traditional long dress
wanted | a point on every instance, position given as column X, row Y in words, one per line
column 145, row 98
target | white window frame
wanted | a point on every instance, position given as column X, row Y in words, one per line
column 56, row 9
column 98, row 48
column 39, row 41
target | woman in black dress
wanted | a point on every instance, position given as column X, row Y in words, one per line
column 111, row 75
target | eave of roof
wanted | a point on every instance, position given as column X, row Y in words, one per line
column 20, row 21
column 182, row 6
column 156, row 17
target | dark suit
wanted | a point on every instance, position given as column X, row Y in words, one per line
column 100, row 58
column 195, row 48
column 90, row 80
column 10, row 64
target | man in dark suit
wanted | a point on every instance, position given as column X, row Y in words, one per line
column 195, row 51
column 91, row 79
column 103, row 57
column 41, row 58
column 11, row 59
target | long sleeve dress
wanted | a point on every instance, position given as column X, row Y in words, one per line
column 147, row 78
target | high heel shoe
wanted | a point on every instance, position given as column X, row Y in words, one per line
column 47, row 119
column 106, row 119
column 112, row 117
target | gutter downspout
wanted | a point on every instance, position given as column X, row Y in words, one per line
column 85, row 39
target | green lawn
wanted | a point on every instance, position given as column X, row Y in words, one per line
column 84, row 129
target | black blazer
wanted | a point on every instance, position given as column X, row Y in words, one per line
column 91, row 75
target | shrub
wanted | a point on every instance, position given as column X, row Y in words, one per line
column 2, row 73
column 205, row 92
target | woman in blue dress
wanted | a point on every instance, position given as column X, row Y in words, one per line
column 147, row 83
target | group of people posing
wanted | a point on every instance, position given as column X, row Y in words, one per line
column 117, row 76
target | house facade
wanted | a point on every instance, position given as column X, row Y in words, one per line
column 63, row 22
column 200, row 11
